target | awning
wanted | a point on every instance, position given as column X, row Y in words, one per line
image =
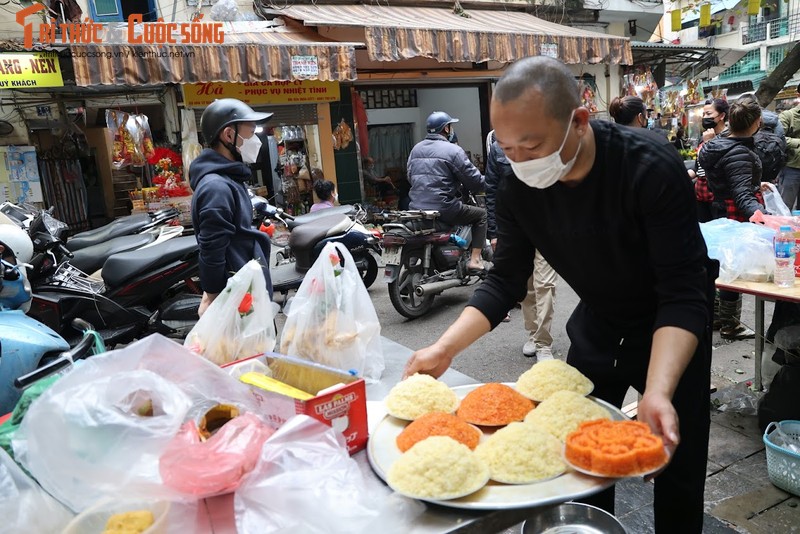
column 685, row 61
column 250, row 56
column 396, row 33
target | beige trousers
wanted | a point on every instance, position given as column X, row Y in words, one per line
column 539, row 304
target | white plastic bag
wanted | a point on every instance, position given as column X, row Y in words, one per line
column 306, row 482
column 240, row 321
column 24, row 506
column 332, row 320
column 774, row 202
column 744, row 250
column 100, row 430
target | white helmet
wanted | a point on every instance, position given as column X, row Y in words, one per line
column 17, row 240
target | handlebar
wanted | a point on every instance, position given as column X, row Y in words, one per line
column 66, row 358
column 64, row 250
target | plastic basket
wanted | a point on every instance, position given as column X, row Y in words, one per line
column 783, row 465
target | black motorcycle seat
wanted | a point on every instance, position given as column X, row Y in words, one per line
column 90, row 259
column 285, row 277
column 306, row 236
column 126, row 265
column 300, row 220
column 122, row 226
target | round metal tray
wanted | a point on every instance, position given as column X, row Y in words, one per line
column 382, row 452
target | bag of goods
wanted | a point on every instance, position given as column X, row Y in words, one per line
column 240, row 321
column 332, row 320
column 122, row 146
column 137, row 135
column 143, row 123
column 100, row 430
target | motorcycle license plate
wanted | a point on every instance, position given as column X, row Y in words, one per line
column 391, row 256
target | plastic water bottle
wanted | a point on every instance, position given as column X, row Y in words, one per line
column 784, row 257
column 458, row 240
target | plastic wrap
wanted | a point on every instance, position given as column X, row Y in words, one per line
column 744, row 250
column 332, row 320
column 774, row 203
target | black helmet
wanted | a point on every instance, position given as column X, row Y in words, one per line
column 224, row 111
column 437, row 121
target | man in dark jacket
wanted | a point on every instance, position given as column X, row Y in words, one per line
column 221, row 208
column 436, row 170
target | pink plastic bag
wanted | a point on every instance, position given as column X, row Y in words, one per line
column 775, row 221
column 215, row 466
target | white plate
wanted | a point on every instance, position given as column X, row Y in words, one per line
column 382, row 452
column 616, row 477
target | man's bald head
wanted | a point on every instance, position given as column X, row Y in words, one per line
column 547, row 76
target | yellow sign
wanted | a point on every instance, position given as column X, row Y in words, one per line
column 705, row 15
column 676, row 20
column 33, row 69
column 196, row 95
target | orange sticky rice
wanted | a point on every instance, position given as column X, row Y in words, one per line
column 438, row 424
column 494, row 405
column 615, row 448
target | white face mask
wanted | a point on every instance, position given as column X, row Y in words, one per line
column 541, row 173
column 250, row 149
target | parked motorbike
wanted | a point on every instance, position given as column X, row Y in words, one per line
column 29, row 350
column 309, row 235
column 423, row 257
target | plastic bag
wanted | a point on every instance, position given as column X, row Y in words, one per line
column 306, row 458
column 133, row 126
column 774, row 203
column 168, row 516
column 217, row 465
column 240, row 321
column 100, row 430
column 775, row 221
column 122, row 145
column 332, row 320
column 190, row 148
column 143, row 123
column 24, row 506
column 744, row 250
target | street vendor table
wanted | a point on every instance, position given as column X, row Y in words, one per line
column 435, row 519
column 762, row 291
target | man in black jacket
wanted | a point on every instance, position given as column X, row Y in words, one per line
column 222, row 213
column 612, row 212
column 437, row 168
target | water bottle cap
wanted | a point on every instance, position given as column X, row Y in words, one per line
column 786, row 228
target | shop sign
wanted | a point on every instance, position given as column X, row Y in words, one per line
column 550, row 50
column 197, row 95
column 305, row 66
column 32, row 69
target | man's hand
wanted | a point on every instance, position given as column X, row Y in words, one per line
column 431, row 360
column 709, row 134
column 659, row 414
column 205, row 302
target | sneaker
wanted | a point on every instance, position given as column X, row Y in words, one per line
column 529, row 349
column 544, row 353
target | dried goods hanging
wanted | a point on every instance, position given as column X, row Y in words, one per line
column 342, row 135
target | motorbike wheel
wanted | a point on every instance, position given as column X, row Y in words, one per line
column 369, row 274
column 401, row 291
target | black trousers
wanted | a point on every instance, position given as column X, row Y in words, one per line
column 615, row 360
column 474, row 216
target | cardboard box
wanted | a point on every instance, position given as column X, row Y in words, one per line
column 343, row 408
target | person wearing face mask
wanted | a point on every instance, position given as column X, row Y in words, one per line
column 715, row 113
column 612, row 212
column 437, row 169
column 734, row 170
column 221, row 208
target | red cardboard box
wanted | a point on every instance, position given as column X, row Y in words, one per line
column 342, row 403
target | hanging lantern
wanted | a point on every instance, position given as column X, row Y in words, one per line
column 676, row 20
column 753, row 7
column 705, row 15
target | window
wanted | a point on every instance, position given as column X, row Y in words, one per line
column 106, row 10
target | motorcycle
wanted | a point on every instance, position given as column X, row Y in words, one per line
column 309, row 235
column 30, row 350
column 424, row 257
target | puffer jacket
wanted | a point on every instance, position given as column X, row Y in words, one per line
column 436, row 170
column 771, row 123
column 733, row 171
column 497, row 169
column 790, row 119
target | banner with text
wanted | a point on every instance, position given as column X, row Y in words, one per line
column 197, row 95
column 31, row 69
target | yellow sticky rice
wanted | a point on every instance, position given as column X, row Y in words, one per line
column 438, row 468
column 563, row 412
column 549, row 376
column 521, row 454
column 420, row 394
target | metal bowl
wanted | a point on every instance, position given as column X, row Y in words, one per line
column 572, row 518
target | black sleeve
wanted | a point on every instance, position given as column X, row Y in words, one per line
column 675, row 245
column 492, row 179
column 217, row 206
column 739, row 166
column 512, row 265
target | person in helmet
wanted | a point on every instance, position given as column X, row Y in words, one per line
column 221, row 209
column 437, row 168
column 16, row 249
